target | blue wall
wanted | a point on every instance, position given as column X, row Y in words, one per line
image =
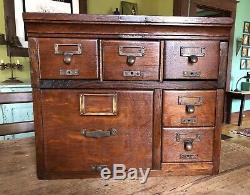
column 243, row 14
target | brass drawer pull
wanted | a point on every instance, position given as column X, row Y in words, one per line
column 84, row 108
column 188, row 145
column 190, row 109
column 131, row 52
column 193, row 53
column 68, row 54
column 99, row 133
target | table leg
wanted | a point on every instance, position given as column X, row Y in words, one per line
column 229, row 108
column 242, row 105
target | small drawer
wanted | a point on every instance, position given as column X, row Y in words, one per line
column 191, row 59
column 187, row 144
column 131, row 60
column 189, row 108
column 85, row 130
column 68, row 58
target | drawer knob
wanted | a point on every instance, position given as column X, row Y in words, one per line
column 131, row 60
column 193, row 59
column 190, row 109
column 67, row 58
column 188, row 145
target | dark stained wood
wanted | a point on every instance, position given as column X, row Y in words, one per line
column 174, row 151
column 34, row 61
column 13, row 97
column 16, row 128
column 217, row 132
column 62, row 121
column 176, row 65
column 115, row 60
column 197, row 168
column 86, row 62
column 223, row 65
column 147, row 122
column 39, row 134
column 67, row 84
column 174, row 112
column 10, row 29
column 157, row 129
column 83, row 6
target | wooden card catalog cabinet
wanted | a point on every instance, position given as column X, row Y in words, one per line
column 141, row 91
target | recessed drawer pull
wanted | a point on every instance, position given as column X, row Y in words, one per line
column 99, row 133
column 68, row 54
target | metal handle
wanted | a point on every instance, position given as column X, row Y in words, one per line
column 188, row 145
column 131, row 60
column 99, row 133
column 67, row 58
column 190, row 109
column 193, row 59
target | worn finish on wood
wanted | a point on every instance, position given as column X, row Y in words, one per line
column 145, row 94
column 145, row 56
column 177, row 103
column 62, row 121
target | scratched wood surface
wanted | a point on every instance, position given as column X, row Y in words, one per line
column 17, row 174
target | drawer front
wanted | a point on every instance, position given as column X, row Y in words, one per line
column 68, row 58
column 131, row 60
column 189, row 108
column 80, row 135
column 187, row 144
column 191, row 59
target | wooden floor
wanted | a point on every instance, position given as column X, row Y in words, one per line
column 17, row 174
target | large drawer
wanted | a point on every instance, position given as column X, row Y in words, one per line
column 191, row 59
column 68, row 58
column 187, row 144
column 189, row 108
column 87, row 129
column 131, row 60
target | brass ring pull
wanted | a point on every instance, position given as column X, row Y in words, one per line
column 188, row 145
column 193, row 59
column 131, row 60
column 67, row 58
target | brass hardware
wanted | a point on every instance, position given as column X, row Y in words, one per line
column 193, row 51
column 193, row 59
column 67, row 58
column 83, row 105
column 195, row 101
column 189, row 156
column 190, row 109
column 98, row 168
column 191, row 120
column 128, row 73
column 68, row 54
column 191, row 74
column 188, row 145
column 131, row 52
column 131, row 60
column 182, row 137
column 99, row 133
column 69, row 72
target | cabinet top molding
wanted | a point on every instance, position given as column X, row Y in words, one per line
column 124, row 19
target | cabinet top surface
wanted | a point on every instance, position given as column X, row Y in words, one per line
column 140, row 19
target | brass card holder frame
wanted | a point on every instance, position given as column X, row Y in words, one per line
column 193, row 51
column 83, row 110
column 68, row 54
column 131, row 56
column 195, row 101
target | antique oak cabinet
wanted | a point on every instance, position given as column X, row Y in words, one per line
column 142, row 91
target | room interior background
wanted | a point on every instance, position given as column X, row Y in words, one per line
column 145, row 7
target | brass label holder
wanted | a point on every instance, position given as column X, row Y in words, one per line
column 193, row 51
column 132, row 52
column 83, row 106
